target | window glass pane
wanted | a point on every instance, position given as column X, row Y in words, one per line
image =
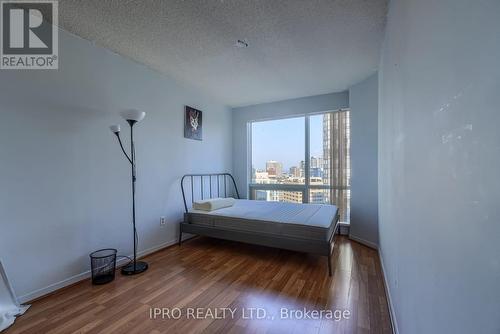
column 340, row 198
column 319, row 141
column 278, row 196
column 278, row 149
column 330, row 160
column 319, row 196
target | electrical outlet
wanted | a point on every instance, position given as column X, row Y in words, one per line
column 163, row 221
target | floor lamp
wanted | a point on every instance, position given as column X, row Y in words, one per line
column 132, row 117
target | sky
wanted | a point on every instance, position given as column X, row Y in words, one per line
column 283, row 140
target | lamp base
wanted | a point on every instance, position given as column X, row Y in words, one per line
column 139, row 268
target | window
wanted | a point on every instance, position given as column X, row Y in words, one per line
column 277, row 146
column 303, row 160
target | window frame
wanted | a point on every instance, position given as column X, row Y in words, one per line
column 304, row 188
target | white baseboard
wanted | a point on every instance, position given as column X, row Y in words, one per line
column 86, row 274
column 364, row 242
column 388, row 294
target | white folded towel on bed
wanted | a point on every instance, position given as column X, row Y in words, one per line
column 213, row 204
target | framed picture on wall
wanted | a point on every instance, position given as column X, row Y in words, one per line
column 193, row 125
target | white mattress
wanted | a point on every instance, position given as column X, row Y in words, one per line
column 310, row 221
column 320, row 215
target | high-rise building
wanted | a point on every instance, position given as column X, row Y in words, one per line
column 316, row 172
column 269, row 195
column 302, row 168
column 292, row 196
column 326, row 147
column 274, row 168
column 295, row 171
column 336, row 159
column 316, row 162
column 261, row 177
column 317, row 196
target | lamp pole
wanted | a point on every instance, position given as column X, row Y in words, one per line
column 132, row 117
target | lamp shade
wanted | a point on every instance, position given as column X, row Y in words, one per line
column 115, row 128
column 133, row 115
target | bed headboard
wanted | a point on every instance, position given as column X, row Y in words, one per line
column 208, row 186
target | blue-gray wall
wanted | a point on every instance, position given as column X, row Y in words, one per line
column 294, row 107
column 439, row 163
column 64, row 184
column 363, row 102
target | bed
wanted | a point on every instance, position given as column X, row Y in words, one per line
column 299, row 227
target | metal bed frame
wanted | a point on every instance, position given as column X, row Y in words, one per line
column 324, row 248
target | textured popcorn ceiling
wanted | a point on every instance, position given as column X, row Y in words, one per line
column 297, row 47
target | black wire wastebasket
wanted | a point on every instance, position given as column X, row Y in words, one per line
column 103, row 265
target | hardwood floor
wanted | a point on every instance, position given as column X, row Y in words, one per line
column 211, row 274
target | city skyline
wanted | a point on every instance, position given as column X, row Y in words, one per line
column 283, row 141
column 279, row 155
column 299, row 165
